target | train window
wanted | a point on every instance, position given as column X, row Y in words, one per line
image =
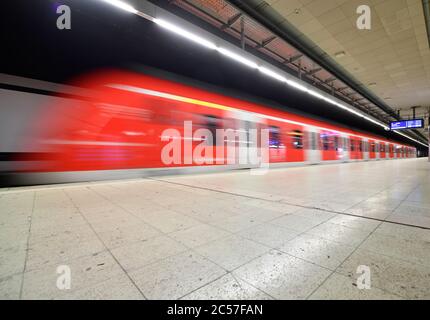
column 325, row 141
column 336, row 143
column 372, row 147
column 212, row 123
column 297, row 139
column 382, row 148
column 274, row 137
column 360, row 146
column 352, row 145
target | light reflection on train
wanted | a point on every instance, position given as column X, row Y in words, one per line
column 121, row 127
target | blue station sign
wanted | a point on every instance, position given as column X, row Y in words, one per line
column 407, row 124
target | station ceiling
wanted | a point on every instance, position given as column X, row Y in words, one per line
column 392, row 59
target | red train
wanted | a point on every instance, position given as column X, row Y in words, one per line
column 131, row 121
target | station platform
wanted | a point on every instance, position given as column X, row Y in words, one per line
column 294, row 233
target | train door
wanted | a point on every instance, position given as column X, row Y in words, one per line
column 338, row 146
column 382, row 150
column 372, row 149
column 362, row 148
column 345, row 148
column 390, row 151
column 313, row 153
column 328, row 150
column 377, row 150
column 244, row 143
column 396, row 151
column 277, row 145
column 247, row 142
column 365, row 149
column 356, row 149
column 294, row 143
column 352, row 147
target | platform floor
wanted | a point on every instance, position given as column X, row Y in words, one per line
column 294, row 233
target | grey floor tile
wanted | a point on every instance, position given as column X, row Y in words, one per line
column 176, row 276
column 228, row 288
column 12, row 260
column 340, row 287
column 118, row 288
column 137, row 254
column 168, row 221
column 317, row 215
column 236, row 223
column 282, row 276
column 121, row 235
column 338, row 233
column 84, row 272
column 417, row 251
column 295, row 222
column 403, row 232
column 51, row 252
column 231, row 252
column 10, row 287
column 406, row 279
column 325, row 253
column 198, row 235
column 355, row 222
column 269, row 234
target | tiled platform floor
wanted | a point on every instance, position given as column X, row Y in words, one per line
column 295, row 233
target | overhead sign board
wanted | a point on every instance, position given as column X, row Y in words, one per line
column 407, row 124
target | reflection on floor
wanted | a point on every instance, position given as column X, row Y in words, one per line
column 294, row 233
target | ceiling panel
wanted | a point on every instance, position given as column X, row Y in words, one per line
column 394, row 54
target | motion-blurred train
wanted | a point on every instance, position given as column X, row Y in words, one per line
column 119, row 124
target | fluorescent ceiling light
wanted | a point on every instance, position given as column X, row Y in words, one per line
column 237, row 57
column 272, row 74
column 297, row 85
column 316, row 94
column 330, row 101
column 404, row 135
column 122, row 5
column 184, row 33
